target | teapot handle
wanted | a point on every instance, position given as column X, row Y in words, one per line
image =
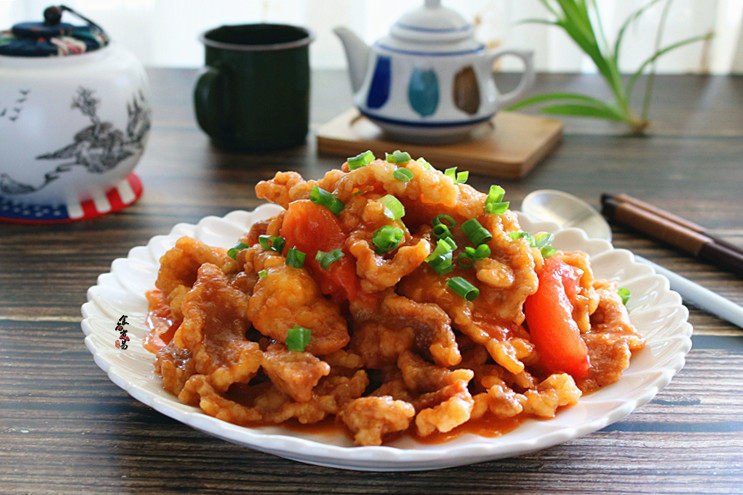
column 527, row 78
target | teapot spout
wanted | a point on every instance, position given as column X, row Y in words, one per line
column 357, row 54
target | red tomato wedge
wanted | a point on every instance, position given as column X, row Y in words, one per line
column 159, row 321
column 549, row 315
column 309, row 228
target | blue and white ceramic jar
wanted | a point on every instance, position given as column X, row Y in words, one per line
column 74, row 121
column 429, row 79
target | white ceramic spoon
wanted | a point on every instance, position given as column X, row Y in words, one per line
column 567, row 210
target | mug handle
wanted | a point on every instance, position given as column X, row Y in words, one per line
column 208, row 100
column 527, row 78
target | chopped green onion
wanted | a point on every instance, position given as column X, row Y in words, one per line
column 232, row 252
column 519, row 235
column 547, row 251
column 482, row 252
column 463, row 288
column 543, row 239
column 327, row 259
column 497, row 208
column 398, row 157
column 401, row 157
column 403, row 174
column 470, row 254
column 447, row 220
column 459, row 178
column 295, row 258
column 393, row 209
column 441, row 257
column 464, row 260
column 322, row 197
column 360, row 160
column 425, row 163
column 476, row 233
column 263, row 273
column 387, row 238
column 494, row 204
column 450, row 242
column 440, row 231
column 624, row 294
column 298, row 338
column 272, row 242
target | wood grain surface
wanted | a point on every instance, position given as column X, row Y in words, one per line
column 65, row 428
column 509, row 145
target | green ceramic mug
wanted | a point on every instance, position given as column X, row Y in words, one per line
column 254, row 91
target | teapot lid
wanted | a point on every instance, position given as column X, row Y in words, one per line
column 432, row 28
column 52, row 37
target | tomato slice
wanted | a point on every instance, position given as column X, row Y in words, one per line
column 549, row 316
column 309, row 228
column 159, row 321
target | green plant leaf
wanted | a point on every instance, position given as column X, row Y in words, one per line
column 555, row 96
column 660, row 53
column 536, row 21
column 627, row 23
column 577, row 110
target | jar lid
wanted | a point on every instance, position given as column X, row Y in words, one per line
column 52, row 37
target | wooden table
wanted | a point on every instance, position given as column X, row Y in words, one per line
column 64, row 427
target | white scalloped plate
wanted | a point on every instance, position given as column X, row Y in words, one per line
column 654, row 309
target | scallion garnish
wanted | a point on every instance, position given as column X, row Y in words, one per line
column 547, row 251
column 272, row 242
column 543, row 239
column 327, row 259
column 463, row 288
column 398, row 157
column 387, row 238
column 476, row 233
column 425, row 163
column 232, row 252
column 470, row 254
column 360, row 160
column 462, row 177
column 322, row 197
column 440, row 260
column 440, row 231
column 447, row 220
column 263, row 273
column 295, row 258
column 482, row 252
column 298, row 338
column 624, row 294
column 403, row 174
column 451, row 172
column 494, row 204
column 450, row 241
column 393, row 209
column 465, row 261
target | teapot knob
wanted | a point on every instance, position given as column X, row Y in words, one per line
column 52, row 15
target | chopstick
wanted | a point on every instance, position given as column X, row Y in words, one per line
column 673, row 230
column 626, row 198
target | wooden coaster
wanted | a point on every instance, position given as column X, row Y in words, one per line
column 510, row 147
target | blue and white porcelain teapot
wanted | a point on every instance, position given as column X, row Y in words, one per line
column 429, row 79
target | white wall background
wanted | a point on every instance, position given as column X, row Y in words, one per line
column 164, row 32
